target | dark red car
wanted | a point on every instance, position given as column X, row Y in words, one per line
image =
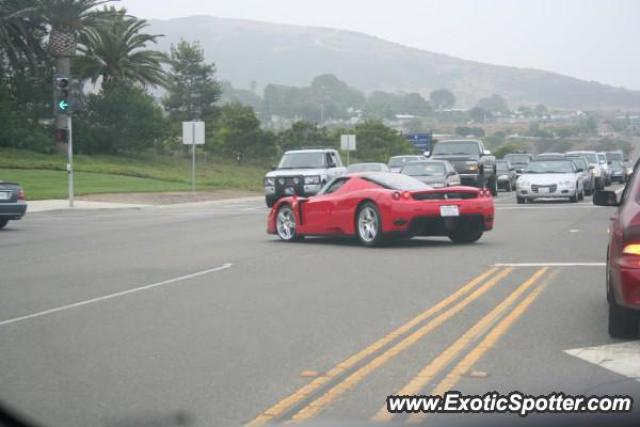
column 377, row 206
column 623, row 258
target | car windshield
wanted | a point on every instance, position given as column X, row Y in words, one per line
column 502, row 166
column 550, row 166
column 396, row 181
column 424, row 169
column 395, row 162
column 579, row 162
column 615, row 156
column 591, row 157
column 367, row 167
column 518, row 159
column 456, row 148
column 303, row 160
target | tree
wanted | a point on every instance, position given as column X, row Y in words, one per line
column 68, row 20
column 442, row 99
column 479, row 115
column 304, row 134
column 21, row 31
column 469, row 131
column 115, row 50
column 494, row 103
column 377, row 142
column 238, row 131
column 415, row 104
column 121, row 119
column 193, row 88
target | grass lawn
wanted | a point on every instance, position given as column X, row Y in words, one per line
column 52, row 184
column 44, row 176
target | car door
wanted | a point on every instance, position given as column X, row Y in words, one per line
column 317, row 210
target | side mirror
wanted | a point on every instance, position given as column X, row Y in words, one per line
column 427, row 153
column 605, row 198
column 579, row 170
column 273, row 167
column 591, row 167
column 451, row 173
column 486, row 153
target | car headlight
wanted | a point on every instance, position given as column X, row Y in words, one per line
column 269, row 182
column 312, row 180
column 471, row 165
column 596, row 172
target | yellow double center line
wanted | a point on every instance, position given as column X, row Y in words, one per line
column 324, row 400
column 417, row 384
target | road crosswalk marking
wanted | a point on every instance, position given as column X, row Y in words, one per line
column 622, row 358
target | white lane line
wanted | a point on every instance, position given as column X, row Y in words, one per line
column 551, row 264
column 114, row 295
column 622, row 358
column 564, row 207
column 574, row 230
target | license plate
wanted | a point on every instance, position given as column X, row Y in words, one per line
column 5, row 195
column 449, row 210
column 543, row 190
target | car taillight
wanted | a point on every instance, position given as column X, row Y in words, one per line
column 406, row 195
column 21, row 195
column 631, row 249
column 396, row 196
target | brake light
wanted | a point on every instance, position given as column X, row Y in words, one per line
column 631, row 249
column 21, row 195
column 406, row 195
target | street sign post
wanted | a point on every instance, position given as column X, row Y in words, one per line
column 193, row 134
column 348, row 143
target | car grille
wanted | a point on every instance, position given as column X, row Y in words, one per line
column 444, row 196
column 552, row 188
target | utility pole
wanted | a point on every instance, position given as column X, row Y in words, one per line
column 70, row 162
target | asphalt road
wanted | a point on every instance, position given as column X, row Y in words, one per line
column 111, row 317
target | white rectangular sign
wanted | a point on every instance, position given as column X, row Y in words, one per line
column 193, row 133
column 348, row 142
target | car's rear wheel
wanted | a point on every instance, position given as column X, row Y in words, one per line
column 3, row 223
column 467, row 232
column 581, row 196
column 286, row 226
column 369, row 225
column 521, row 200
column 574, row 198
column 623, row 323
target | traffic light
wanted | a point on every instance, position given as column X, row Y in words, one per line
column 62, row 90
column 61, row 135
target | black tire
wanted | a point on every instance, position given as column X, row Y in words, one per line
column 493, row 185
column 3, row 223
column 521, row 200
column 581, row 196
column 368, row 223
column 623, row 323
column 468, row 232
column 574, row 198
column 286, row 226
column 270, row 201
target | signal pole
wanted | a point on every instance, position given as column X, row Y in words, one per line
column 70, row 161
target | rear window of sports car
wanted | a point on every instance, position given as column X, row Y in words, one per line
column 396, row 181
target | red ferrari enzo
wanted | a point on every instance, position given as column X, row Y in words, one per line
column 378, row 206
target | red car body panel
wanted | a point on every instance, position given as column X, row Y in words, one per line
column 624, row 270
column 334, row 214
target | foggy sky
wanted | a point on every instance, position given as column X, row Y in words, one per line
column 589, row 39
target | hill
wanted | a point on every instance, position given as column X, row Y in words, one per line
column 246, row 51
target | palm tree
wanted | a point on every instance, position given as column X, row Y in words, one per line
column 21, row 31
column 115, row 50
